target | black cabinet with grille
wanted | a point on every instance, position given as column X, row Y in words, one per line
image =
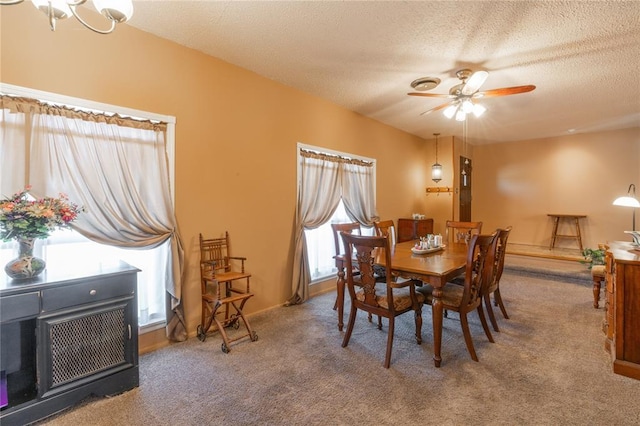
column 64, row 337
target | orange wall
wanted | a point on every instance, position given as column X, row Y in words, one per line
column 236, row 136
column 519, row 183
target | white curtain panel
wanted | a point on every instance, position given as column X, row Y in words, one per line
column 325, row 179
column 117, row 169
column 13, row 148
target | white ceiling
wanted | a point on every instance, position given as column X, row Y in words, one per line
column 583, row 56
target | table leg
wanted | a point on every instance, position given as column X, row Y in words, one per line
column 597, row 284
column 578, row 236
column 556, row 220
column 340, row 297
column 437, row 313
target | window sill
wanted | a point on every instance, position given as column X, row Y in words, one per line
column 151, row 326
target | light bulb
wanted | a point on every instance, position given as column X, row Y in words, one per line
column 467, row 106
column 478, row 110
column 450, row 111
column 116, row 10
column 460, row 115
column 436, row 172
column 627, row 201
column 59, row 8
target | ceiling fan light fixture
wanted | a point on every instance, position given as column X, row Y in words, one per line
column 463, row 97
column 478, row 110
column 450, row 111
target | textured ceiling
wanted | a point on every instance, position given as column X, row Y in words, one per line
column 583, row 56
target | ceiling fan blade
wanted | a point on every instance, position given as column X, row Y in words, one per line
column 474, row 82
column 431, row 95
column 506, row 91
column 438, row 108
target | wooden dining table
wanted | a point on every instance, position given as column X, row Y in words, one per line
column 435, row 268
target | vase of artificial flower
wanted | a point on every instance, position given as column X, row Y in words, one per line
column 26, row 265
column 26, row 219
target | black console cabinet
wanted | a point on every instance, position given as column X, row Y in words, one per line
column 65, row 336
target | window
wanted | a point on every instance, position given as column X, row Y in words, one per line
column 320, row 241
column 65, row 243
column 321, row 245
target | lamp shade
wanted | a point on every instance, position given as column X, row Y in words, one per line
column 478, row 110
column 59, row 8
column 117, row 10
column 436, row 172
column 450, row 111
column 627, row 202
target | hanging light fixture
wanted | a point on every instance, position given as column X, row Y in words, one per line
column 436, row 169
column 461, row 108
column 464, row 153
column 629, row 200
column 116, row 11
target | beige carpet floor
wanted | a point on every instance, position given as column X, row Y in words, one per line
column 546, row 367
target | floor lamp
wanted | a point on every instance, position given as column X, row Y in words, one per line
column 629, row 200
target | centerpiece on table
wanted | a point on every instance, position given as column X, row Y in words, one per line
column 25, row 219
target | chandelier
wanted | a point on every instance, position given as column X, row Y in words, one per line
column 116, row 11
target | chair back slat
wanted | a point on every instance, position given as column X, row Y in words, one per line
column 214, row 253
column 365, row 253
column 351, row 228
column 386, row 228
column 460, row 232
column 479, row 271
column 501, row 251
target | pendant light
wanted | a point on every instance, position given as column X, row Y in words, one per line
column 464, row 154
column 436, row 169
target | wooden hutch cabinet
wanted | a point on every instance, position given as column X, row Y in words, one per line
column 67, row 334
column 412, row 229
column 622, row 308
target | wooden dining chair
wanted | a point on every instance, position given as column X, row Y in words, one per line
column 388, row 301
column 351, row 228
column 386, row 228
column 479, row 270
column 225, row 290
column 494, row 285
column 461, row 232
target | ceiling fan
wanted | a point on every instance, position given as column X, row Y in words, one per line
column 464, row 96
